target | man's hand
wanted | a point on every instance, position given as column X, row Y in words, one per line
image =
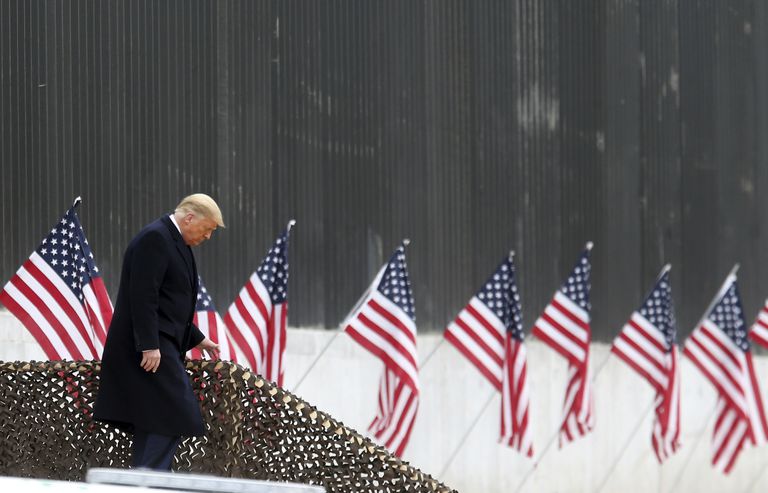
column 210, row 347
column 150, row 360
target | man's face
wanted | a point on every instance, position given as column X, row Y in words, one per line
column 195, row 229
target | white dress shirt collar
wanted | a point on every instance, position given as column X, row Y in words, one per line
column 173, row 220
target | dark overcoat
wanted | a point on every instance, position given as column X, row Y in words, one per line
column 155, row 307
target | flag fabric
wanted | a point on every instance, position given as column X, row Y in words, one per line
column 489, row 333
column 209, row 322
column 256, row 320
column 759, row 332
column 384, row 324
column 720, row 349
column 478, row 332
column 647, row 343
column 396, row 412
column 59, row 295
column 564, row 326
column 514, row 388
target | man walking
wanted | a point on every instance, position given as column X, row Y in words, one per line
column 144, row 386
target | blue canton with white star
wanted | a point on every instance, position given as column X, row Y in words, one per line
column 729, row 316
column 659, row 310
column 67, row 251
column 500, row 295
column 577, row 286
column 395, row 285
column 273, row 270
column 204, row 300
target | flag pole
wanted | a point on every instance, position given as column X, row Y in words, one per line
column 589, row 245
column 343, row 323
column 314, row 362
column 723, row 288
column 693, row 448
column 720, row 292
column 624, row 449
column 437, row 346
column 602, row 484
column 665, row 269
column 538, row 460
column 482, row 411
column 431, row 353
column 757, row 477
column 338, row 331
column 556, row 433
column 466, row 435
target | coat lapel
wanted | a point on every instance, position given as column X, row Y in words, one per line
column 184, row 251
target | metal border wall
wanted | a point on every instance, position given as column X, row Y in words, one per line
column 470, row 127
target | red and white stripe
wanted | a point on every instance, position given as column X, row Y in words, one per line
column 665, row 436
column 258, row 330
column 515, row 431
column 643, row 347
column 479, row 335
column 579, row 406
column 759, row 331
column 741, row 416
column 721, row 361
column 385, row 330
column 63, row 326
column 99, row 309
column 381, row 327
column 397, row 408
column 564, row 326
column 212, row 326
column 730, row 435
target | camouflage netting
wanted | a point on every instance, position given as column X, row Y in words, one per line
column 255, row 430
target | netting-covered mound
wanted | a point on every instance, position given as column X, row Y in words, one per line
column 255, row 430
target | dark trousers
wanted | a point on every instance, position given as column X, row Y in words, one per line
column 153, row 451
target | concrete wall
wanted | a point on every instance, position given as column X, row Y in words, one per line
column 344, row 383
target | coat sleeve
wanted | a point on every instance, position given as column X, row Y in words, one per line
column 195, row 336
column 149, row 261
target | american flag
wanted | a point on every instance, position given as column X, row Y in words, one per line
column 209, row 322
column 384, row 324
column 489, row 333
column 759, row 332
column 396, row 412
column 647, row 343
column 59, row 296
column 256, row 320
column 564, row 326
column 478, row 332
column 719, row 347
column 514, row 389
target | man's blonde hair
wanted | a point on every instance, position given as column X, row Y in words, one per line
column 201, row 205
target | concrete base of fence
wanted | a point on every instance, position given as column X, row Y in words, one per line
column 344, row 384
